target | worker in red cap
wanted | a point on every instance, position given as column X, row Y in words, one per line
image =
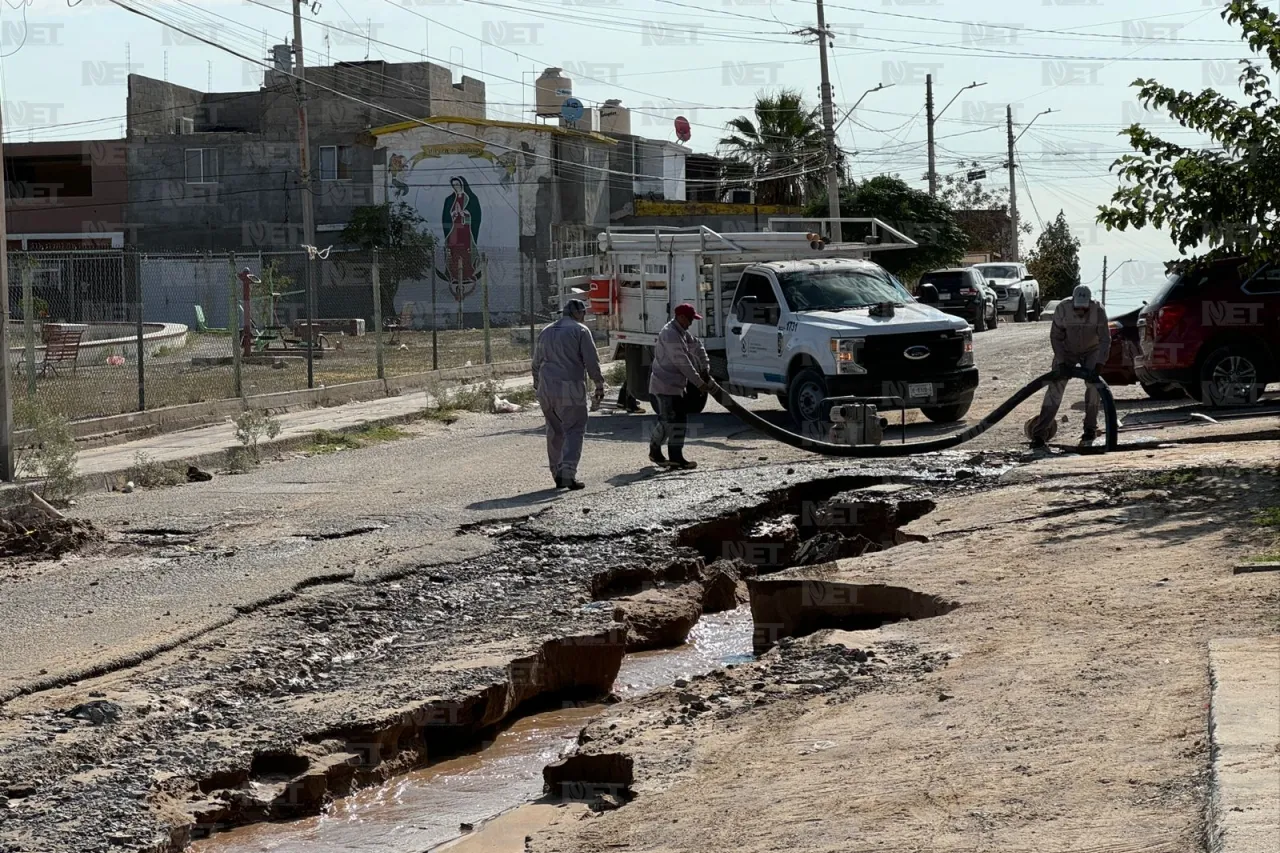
column 679, row 360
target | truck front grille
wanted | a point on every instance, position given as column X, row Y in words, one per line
column 885, row 356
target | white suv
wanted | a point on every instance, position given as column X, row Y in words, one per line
column 1016, row 289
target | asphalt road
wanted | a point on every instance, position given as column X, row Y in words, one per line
column 210, row 552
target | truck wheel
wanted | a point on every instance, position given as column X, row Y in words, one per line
column 1020, row 316
column 948, row 414
column 805, row 394
column 637, row 377
column 1035, row 310
column 1232, row 376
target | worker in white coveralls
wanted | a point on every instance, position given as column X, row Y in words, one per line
column 679, row 361
column 562, row 361
column 1080, row 337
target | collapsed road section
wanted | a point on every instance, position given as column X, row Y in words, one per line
column 347, row 685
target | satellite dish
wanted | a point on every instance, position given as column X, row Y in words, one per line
column 683, row 131
column 571, row 110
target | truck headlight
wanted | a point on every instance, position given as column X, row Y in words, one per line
column 966, row 360
column 845, row 353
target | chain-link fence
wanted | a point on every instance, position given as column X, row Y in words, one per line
column 97, row 333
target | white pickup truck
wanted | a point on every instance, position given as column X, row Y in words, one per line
column 1017, row 291
column 784, row 314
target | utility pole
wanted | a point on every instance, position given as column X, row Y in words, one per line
column 932, row 120
column 928, row 112
column 6, row 401
column 829, row 129
column 1013, row 189
column 1104, row 281
column 304, row 166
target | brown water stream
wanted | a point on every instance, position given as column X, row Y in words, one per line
column 424, row 809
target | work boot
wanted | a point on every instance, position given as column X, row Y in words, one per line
column 656, row 457
column 573, row 484
column 682, row 464
column 1038, row 444
column 1089, row 437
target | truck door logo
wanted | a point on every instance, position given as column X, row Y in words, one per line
column 916, row 353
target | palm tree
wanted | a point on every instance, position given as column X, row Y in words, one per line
column 781, row 153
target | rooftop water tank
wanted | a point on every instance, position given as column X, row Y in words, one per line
column 282, row 58
column 615, row 118
column 552, row 88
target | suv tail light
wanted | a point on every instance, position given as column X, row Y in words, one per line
column 1168, row 318
column 967, row 291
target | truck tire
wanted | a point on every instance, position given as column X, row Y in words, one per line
column 948, row 414
column 1164, row 390
column 1020, row 315
column 805, row 393
column 1035, row 310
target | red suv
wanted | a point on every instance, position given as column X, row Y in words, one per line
column 1215, row 330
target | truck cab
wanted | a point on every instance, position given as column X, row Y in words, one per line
column 809, row 330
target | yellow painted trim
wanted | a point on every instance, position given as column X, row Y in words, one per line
column 484, row 122
column 648, row 207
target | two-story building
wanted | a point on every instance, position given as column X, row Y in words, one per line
column 221, row 170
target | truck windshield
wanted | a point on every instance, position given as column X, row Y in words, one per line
column 998, row 272
column 947, row 282
column 835, row 290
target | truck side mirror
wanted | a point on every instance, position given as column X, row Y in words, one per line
column 928, row 294
column 991, row 281
column 746, row 310
column 1028, row 278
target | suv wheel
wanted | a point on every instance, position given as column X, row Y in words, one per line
column 1164, row 390
column 805, row 394
column 980, row 318
column 948, row 414
column 1231, row 377
column 1020, row 315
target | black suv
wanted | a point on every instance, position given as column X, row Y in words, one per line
column 961, row 292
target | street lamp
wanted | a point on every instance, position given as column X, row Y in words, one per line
column 1104, row 277
column 855, row 104
column 932, row 120
column 1028, row 127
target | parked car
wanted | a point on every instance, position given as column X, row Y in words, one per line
column 1120, row 370
column 1016, row 288
column 1049, row 308
column 1214, row 329
column 961, row 292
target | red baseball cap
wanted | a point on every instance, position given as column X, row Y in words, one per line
column 687, row 310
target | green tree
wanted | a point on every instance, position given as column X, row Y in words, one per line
column 1224, row 196
column 986, row 233
column 401, row 234
column 781, row 153
column 1055, row 260
column 929, row 221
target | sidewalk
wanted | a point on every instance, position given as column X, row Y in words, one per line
column 206, row 444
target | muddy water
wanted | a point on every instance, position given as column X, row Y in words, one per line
column 424, row 809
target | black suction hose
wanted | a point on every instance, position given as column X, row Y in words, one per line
column 885, row 450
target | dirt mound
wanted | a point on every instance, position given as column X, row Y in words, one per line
column 32, row 530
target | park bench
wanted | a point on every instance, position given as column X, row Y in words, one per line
column 61, row 346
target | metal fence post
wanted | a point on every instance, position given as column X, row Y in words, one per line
column 29, row 326
column 435, row 350
column 312, row 337
column 377, row 313
column 233, row 330
column 142, row 347
column 484, row 307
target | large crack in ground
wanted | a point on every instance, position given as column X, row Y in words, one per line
column 263, row 726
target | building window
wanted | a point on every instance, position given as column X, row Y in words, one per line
column 335, row 163
column 202, row 165
column 48, row 177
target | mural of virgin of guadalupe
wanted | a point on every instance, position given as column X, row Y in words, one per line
column 461, row 223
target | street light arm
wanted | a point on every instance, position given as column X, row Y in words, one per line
column 1033, row 121
column 974, row 85
column 849, row 114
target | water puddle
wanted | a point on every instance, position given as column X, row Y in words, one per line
column 422, row 810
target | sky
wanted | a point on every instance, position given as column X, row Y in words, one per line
column 64, row 65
